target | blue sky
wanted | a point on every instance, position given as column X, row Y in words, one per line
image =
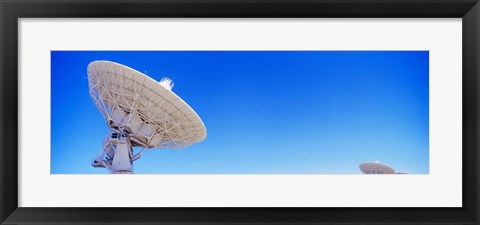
column 266, row 112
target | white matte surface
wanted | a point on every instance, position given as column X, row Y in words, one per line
column 37, row 37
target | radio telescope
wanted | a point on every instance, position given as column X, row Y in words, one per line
column 376, row 168
column 141, row 113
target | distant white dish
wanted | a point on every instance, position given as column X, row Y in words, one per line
column 376, row 168
column 140, row 112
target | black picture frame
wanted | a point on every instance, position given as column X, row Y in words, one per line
column 11, row 11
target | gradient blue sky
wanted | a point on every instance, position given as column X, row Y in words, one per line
column 266, row 112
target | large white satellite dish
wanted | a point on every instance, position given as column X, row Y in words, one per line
column 140, row 112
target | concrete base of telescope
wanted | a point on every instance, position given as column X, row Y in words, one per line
column 116, row 156
column 122, row 159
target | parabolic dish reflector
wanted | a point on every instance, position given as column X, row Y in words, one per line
column 376, row 168
column 148, row 112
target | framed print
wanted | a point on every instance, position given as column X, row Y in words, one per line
column 310, row 112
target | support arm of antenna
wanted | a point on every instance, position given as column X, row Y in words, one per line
column 138, row 155
column 109, row 168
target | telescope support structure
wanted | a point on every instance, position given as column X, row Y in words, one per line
column 117, row 154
